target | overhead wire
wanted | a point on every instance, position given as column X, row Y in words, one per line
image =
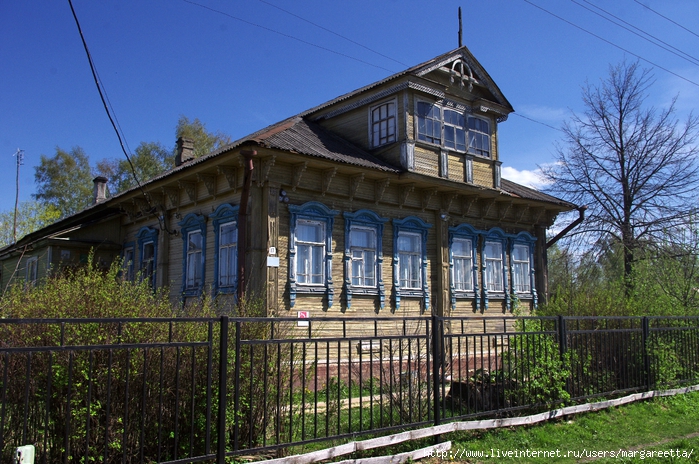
column 333, row 32
column 666, row 18
column 288, row 36
column 665, row 46
column 112, row 118
column 610, row 42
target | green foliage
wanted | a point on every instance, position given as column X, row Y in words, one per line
column 204, row 141
column 64, row 180
column 537, row 371
column 148, row 160
column 31, row 216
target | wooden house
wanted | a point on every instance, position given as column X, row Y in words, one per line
column 386, row 200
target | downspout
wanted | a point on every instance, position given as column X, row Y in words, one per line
column 571, row 226
column 243, row 221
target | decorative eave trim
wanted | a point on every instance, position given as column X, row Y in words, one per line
column 362, row 102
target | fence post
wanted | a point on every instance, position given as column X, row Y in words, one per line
column 222, row 390
column 646, row 356
column 437, row 361
column 563, row 347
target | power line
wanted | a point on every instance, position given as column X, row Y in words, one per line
column 666, row 18
column 611, row 43
column 333, row 32
column 538, row 122
column 667, row 46
column 109, row 114
column 288, row 36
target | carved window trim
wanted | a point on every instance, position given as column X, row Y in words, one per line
column 464, row 232
column 224, row 215
column 411, row 225
column 364, row 219
column 524, row 239
column 192, row 224
column 147, row 236
column 317, row 212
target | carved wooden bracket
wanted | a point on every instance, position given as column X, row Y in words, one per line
column 267, row 164
column 297, row 172
column 231, row 174
column 447, row 200
column 190, row 188
column 142, row 205
column 467, row 203
column 504, row 209
column 427, row 195
column 380, row 187
column 522, row 211
column 130, row 210
column 209, row 181
column 404, row 193
column 537, row 214
column 354, row 184
column 488, row 206
column 173, row 195
column 326, row 178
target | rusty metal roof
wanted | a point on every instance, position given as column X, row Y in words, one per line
column 527, row 193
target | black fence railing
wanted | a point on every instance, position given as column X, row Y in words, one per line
column 200, row 390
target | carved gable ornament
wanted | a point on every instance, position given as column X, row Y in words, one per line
column 460, row 72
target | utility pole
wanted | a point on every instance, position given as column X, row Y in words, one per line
column 20, row 160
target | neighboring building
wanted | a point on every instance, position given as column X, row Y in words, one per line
column 385, row 200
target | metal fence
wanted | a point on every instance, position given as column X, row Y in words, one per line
column 200, row 390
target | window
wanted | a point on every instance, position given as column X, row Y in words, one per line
column 32, row 270
column 478, row 136
column 147, row 245
column 449, row 127
column 225, row 222
column 310, row 251
column 429, row 123
column 228, row 255
column 128, row 259
column 363, row 256
column 463, row 241
column 193, row 230
column 383, row 124
column 410, row 259
column 522, row 250
column 454, row 130
column 462, row 252
column 521, row 281
column 194, row 260
column 492, row 254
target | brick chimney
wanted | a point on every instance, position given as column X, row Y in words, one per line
column 99, row 193
column 185, row 151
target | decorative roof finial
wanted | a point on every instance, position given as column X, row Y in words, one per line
column 460, row 30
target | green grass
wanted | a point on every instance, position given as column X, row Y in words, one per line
column 662, row 424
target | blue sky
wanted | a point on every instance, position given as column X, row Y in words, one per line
column 241, row 65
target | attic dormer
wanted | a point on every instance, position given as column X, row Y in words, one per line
column 439, row 119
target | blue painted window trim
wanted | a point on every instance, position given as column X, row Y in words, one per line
column 464, row 231
column 525, row 238
column 312, row 211
column 128, row 268
column 370, row 220
column 192, row 223
column 148, row 235
column 496, row 235
column 415, row 225
column 224, row 214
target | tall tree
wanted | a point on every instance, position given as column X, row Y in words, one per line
column 64, row 180
column 204, row 141
column 31, row 216
column 633, row 166
column 148, row 160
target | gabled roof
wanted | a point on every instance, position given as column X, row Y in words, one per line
column 422, row 69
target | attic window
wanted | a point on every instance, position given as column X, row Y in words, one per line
column 383, row 124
